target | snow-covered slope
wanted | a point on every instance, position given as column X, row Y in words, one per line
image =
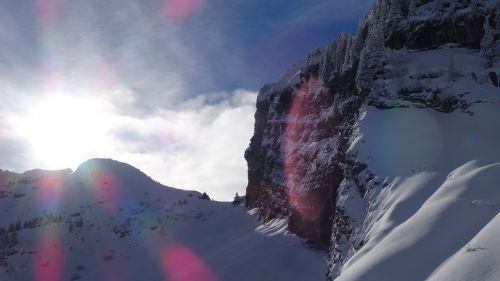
column 480, row 259
column 438, row 189
column 427, row 140
column 109, row 221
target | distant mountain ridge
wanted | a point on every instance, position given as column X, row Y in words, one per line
column 413, row 96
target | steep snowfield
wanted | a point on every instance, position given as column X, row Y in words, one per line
column 109, row 221
column 479, row 261
column 437, row 216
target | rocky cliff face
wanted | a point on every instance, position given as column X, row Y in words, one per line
column 299, row 137
column 441, row 55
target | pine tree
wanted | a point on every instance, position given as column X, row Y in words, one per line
column 371, row 62
column 327, row 64
column 4, row 241
column 342, row 56
column 340, row 52
column 488, row 44
column 412, row 8
column 452, row 73
column 12, row 239
column 394, row 14
column 204, row 196
column 347, row 59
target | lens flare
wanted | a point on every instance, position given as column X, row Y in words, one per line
column 304, row 125
column 182, row 264
column 471, row 140
column 105, row 187
column 49, row 191
column 181, row 9
column 48, row 11
column 49, row 261
column 4, row 182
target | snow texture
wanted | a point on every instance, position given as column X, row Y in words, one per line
column 109, row 221
column 442, row 172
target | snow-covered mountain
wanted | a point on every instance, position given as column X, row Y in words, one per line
column 383, row 146
column 109, row 221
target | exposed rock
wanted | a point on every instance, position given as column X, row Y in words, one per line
column 294, row 154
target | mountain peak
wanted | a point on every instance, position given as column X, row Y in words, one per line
column 99, row 165
column 100, row 162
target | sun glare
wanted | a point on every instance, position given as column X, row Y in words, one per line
column 61, row 130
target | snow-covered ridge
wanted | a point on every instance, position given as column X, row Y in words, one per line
column 109, row 221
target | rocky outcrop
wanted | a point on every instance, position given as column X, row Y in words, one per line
column 293, row 157
column 430, row 24
column 298, row 161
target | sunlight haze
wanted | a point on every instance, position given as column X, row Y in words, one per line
column 167, row 86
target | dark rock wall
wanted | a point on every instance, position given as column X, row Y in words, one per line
column 294, row 155
column 430, row 24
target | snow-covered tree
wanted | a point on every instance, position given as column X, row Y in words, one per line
column 340, row 52
column 327, row 61
column 489, row 44
column 394, row 14
column 412, row 8
column 344, row 56
column 371, row 61
column 12, row 238
column 452, row 72
column 204, row 196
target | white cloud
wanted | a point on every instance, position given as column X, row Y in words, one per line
column 199, row 145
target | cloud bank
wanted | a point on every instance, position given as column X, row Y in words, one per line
column 199, row 145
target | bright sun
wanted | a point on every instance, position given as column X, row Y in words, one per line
column 61, row 130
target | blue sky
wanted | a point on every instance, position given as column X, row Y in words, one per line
column 152, row 82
